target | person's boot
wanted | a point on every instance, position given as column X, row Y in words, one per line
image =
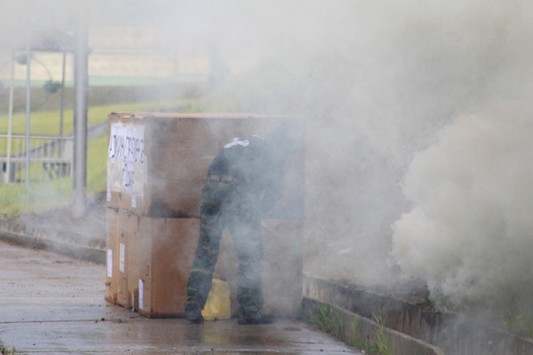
column 193, row 313
column 252, row 319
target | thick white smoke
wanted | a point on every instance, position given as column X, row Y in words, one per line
column 469, row 234
column 375, row 80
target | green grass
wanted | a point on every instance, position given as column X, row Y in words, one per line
column 358, row 340
column 47, row 122
column 7, row 351
column 97, row 165
column 382, row 342
column 516, row 315
column 329, row 320
column 36, row 197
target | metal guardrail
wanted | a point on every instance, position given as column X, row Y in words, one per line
column 50, row 157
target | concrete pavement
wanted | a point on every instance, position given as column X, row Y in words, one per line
column 50, row 304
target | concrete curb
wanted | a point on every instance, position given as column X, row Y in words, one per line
column 361, row 332
column 454, row 334
column 69, row 249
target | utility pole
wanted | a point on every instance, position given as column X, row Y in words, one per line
column 28, row 105
column 81, row 84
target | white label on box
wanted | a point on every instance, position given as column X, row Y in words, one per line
column 109, row 262
column 126, row 143
column 141, row 294
column 122, row 258
column 126, row 160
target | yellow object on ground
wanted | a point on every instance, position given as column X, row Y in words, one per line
column 218, row 301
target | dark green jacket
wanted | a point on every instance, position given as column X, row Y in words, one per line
column 256, row 168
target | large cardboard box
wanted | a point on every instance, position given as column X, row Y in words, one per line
column 167, row 250
column 157, row 163
column 129, row 253
column 112, row 276
column 122, row 256
column 149, row 261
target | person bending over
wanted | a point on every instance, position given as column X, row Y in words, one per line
column 244, row 181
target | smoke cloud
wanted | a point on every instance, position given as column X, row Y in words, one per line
column 408, row 114
column 469, row 232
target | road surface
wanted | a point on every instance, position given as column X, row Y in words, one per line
column 50, row 304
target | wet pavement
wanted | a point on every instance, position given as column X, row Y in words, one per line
column 51, row 304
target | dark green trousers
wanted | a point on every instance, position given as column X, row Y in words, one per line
column 226, row 205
